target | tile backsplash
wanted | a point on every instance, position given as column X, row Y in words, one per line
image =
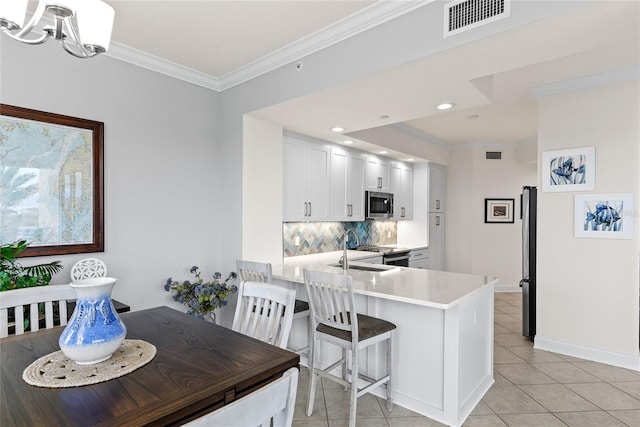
column 318, row 237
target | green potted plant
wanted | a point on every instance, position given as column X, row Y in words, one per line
column 14, row 275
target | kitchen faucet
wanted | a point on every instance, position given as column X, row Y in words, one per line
column 345, row 237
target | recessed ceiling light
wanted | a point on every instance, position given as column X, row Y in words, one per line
column 384, row 117
column 409, row 160
column 382, row 152
column 348, row 142
column 337, row 129
column 473, row 117
column 446, row 106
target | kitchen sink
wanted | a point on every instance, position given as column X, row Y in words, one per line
column 361, row 267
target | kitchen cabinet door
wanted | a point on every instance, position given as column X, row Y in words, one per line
column 377, row 174
column 295, row 205
column 401, row 178
column 347, row 185
column 437, row 186
column 436, row 241
column 356, row 182
column 306, row 181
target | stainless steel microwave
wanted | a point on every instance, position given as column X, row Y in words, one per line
column 378, row 205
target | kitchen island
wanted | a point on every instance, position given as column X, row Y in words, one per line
column 443, row 358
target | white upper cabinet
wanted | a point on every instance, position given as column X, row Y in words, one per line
column 377, row 174
column 437, row 184
column 347, row 185
column 436, row 241
column 401, row 185
column 306, row 180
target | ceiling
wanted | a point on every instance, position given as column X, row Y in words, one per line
column 489, row 80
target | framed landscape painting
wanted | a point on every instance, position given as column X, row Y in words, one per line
column 604, row 216
column 569, row 170
column 498, row 211
column 51, row 175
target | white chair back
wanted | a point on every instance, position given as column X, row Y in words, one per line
column 332, row 301
column 273, row 402
column 88, row 268
column 265, row 312
column 18, row 298
column 252, row 271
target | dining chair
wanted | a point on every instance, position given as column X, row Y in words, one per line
column 271, row 405
column 88, row 268
column 264, row 311
column 332, row 303
column 17, row 299
column 261, row 272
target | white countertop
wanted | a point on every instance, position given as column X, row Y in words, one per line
column 439, row 289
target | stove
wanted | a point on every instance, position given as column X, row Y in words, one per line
column 391, row 255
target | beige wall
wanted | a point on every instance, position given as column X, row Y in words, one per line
column 262, row 169
column 473, row 246
column 588, row 288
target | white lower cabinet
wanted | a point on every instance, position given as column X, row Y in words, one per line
column 419, row 258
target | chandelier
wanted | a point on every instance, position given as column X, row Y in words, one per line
column 82, row 26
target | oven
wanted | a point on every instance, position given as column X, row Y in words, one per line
column 398, row 258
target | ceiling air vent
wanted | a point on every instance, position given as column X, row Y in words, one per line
column 494, row 155
column 463, row 15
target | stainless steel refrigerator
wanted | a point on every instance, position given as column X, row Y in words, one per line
column 528, row 282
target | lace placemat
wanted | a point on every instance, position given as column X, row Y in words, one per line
column 56, row 370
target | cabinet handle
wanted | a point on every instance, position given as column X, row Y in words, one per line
column 349, row 210
column 438, row 204
column 438, row 220
column 379, row 182
column 309, row 208
column 306, row 208
column 403, row 212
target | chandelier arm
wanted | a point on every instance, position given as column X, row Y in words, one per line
column 78, row 51
column 37, row 15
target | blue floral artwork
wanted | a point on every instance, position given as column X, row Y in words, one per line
column 568, row 170
column 604, row 216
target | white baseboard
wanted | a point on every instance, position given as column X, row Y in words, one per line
column 507, row 288
column 593, row 354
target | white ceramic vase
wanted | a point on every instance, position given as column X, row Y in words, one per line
column 95, row 331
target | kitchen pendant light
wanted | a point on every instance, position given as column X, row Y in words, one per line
column 82, row 26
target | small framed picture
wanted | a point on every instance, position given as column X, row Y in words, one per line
column 604, row 216
column 569, row 170
column 498, row 211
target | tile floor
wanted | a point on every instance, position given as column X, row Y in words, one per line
column 532, row 388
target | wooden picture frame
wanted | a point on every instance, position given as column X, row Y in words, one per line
column 498, row 211
column 52, row 181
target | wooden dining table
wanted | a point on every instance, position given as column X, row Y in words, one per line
column 198, row 367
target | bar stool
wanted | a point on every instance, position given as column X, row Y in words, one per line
column 261, row 272
column 332, row 304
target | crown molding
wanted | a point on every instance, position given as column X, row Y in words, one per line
column 584, row 82
column 162, row 66
column 363, row 20
column 369, row 17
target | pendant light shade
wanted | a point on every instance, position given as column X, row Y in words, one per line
column 95, row 21
column 13, row 14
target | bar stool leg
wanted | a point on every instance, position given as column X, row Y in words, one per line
column 353, row 402
column 312, row 372
column 389, row 384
